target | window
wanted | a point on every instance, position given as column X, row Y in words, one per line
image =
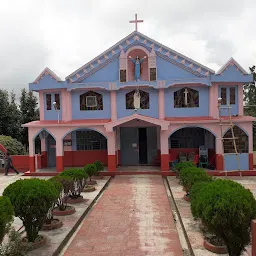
column 232, row 95
column 186, row 98
column 48, row 101
column 122, row 75
column 57, row 100
column 144, row 100
column 90, row 140
column 152, row 74
column 91, row 101
column 223, row 95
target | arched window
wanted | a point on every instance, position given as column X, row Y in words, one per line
column 241, row 141
column 186, row 98
column 144, row 100
column 91, row 101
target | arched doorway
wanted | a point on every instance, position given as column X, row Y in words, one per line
column 231, row 160
column 185, row 142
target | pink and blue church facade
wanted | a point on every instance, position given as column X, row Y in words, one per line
column 140, row 103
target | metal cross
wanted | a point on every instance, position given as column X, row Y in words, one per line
column 136, row 21
column 186, row 96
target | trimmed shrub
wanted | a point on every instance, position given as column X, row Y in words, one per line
column 226, row 208
column 79, row 177
column 99, row 165
column 183, row 165
column 67, row 185
column 6, row 216
column 13, row 146
column 90, row 169
column 31, row 200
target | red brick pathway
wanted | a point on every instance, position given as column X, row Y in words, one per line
column 132, row 218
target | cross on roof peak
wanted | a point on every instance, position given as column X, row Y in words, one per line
column 136, row 21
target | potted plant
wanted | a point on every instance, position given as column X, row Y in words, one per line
column 50, row 222
column 226, row 209
column 91, row 170
column 79, row 177
column 6, row 216
column 31, row 200
column 62, row 208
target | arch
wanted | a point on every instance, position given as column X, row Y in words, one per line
column 41, row 130
column 137, row 47
column 238, row 127
column 242, row 143
column 84, row 128
column 193, row 126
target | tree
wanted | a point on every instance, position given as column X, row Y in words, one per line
column 4, row 113
column 29, row 112
column 250, row 101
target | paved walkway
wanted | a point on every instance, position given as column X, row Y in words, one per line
column 132, row 218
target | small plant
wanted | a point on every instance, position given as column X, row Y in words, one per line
column 68, row 185
column 90, row 169
column 31, row 200
column 6, row 216
column 100, row 167
column 13, row 246
column 79, row 177
column 226, row 208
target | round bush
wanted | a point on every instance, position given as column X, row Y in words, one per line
column 6, row 216
column 31, row 200
column 90, row 169
column 226, row 208
column 99, row 165
column 13, row 146
column 183, row 165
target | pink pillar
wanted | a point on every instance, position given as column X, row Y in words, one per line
column 253, row 237
column 59, row 155
column 31, row 143
column 111, row 152
column 213, row 101
column 161, row 103
column 113, row 106
column 164, row 144
column 66, row 105
column 41, row 103
column 240, row 100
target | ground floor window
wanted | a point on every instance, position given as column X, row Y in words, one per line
column 90, row 140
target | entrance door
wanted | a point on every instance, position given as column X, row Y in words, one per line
column 129, row 145
column 143, row 147
column 51, row 151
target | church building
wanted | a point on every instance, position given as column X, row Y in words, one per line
column 142, row 103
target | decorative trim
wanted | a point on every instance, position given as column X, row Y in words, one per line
column 232, row 62
column 161, row 84
column 112, row 87
column 46, row 72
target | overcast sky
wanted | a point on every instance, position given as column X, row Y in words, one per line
column 65, row 34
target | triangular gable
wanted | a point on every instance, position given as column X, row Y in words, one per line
column 47, row 72
column 137, row 38
column 232, row 62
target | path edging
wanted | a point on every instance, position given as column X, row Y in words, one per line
column 74, row 228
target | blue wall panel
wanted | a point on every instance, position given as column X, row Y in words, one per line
column 230, row 162
column 52, row 114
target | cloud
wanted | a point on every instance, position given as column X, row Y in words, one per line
column 64, row 34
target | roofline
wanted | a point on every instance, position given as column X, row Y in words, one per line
column 58, row 79
column 227, row 64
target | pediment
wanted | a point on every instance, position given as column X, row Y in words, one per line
column 138, row 39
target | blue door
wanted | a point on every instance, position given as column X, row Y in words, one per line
column 51, row 150
column 129, row 145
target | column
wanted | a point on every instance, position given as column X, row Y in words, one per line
column 66, row 105
column 59, row 155
column 44, row 152
column 213, row 101
column 111, row 152
column 219, row 161
column 41, row 103
column 164, row 144
column 240, row 100
column 113, row 105
column 161, row 104
column 31, row 143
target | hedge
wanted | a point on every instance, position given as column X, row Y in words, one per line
column 13, row 146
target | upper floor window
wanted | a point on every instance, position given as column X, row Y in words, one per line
column 91, row 101
column 143, row 96
column 186, row 98
column 48, row 101
column 223, row 95
column 232, row 95
column 57, row 100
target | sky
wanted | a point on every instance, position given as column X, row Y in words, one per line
column 65, row 34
